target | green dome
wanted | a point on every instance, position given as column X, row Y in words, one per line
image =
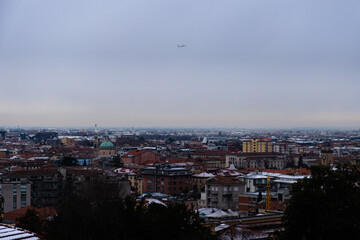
column 106, row 144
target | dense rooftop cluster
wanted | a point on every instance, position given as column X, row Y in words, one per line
column 211, row 171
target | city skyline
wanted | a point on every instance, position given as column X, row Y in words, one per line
column 246, row 64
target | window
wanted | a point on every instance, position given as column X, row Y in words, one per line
column 14, row 202
column 225, row 189
column 236, row 189
column 23, row 188
column 15, row 189
column 23, row 201
column 149, row 181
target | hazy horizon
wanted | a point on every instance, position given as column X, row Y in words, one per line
column 246, row 64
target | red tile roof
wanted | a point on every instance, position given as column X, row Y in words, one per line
column 265, row 139
column 225, row 180
column 135, row 153
column 283, row 171
column 303, row 171
column 212, row 159
column 44, row 213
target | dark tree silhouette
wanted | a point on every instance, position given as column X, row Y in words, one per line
column 95, row 215
column 259, row 198
column 30, row 221
column 325, row 206
column 301, row 162
column 68, row 161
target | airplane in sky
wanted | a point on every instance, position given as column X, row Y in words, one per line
column 181, row 45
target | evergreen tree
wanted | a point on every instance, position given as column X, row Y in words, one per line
column 69, row 161
column 30, row 221
column 325, row 206
column 95, row 215
column 259, row 198
column 301, row 162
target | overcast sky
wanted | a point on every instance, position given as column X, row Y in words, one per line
column 247, row 63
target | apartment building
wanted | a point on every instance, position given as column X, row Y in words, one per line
column 166, row 178
column 15, row 188
column 223, row 192
column 257, row 145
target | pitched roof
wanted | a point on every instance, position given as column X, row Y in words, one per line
column 44, row 213
column 225, row 180
column 282, row 171
column 135, row 153
column 303, row 171
column 265, row 139
column 10, row 232
column 203, row 175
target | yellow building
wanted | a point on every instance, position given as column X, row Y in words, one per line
column 68, row 140
column 257, row 145
column 3, row 153
column 136, row 182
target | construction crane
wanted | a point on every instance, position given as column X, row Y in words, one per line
column 268, row 196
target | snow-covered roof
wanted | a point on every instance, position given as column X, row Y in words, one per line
column 204, row 175
column 216, row 213
column 38, row 158
column 221, row 227
column 297, row 177
column 285, row 181
column 262, row 174
column 256, row 176
column 155, row 201
column 124, row 170
column 12, row 233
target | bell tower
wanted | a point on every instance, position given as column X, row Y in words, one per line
column 326, row 154
column 96, row 140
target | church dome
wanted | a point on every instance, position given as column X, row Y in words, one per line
column 106, row 144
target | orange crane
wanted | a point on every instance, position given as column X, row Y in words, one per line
column 268, row 196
